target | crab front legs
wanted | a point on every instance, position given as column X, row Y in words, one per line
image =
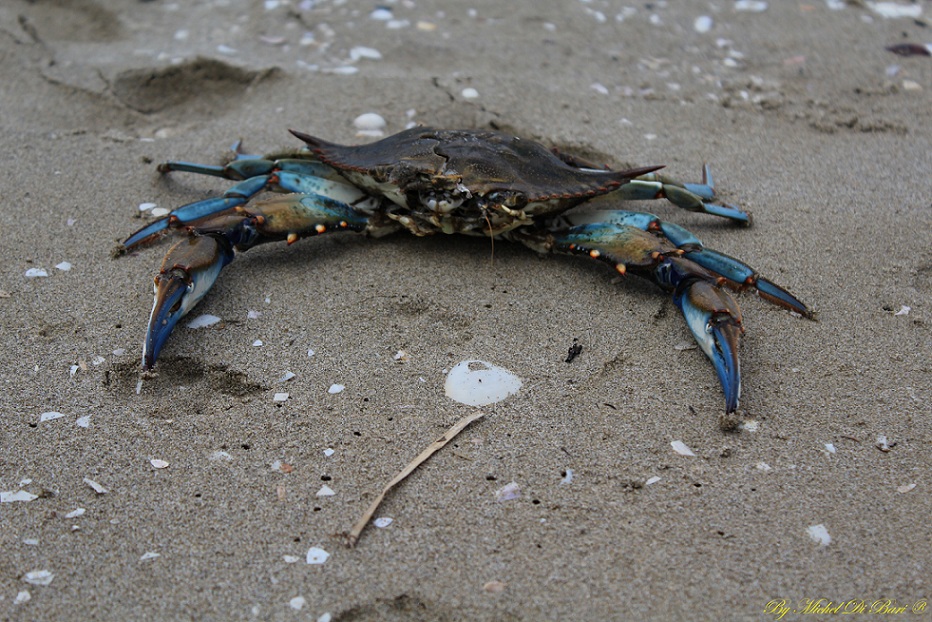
column 193, row 265
column 640, row 243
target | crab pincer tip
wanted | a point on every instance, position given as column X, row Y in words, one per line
column 715, row 322
column 167, row 309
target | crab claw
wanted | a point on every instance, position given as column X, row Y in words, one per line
column 190, row 269
column 715, row 321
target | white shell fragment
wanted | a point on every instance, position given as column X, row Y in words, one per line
column 83, row 422
column 478, row 383
column 19, row 495
column 145, row 207
column 369, row 122
column 651, row 480
column 38, row 577
column 702, row 24
column 75, row 513
column 100, row 490
column 681, row 448
column 335, row 388
column 904, row 310
column 329, row 452
column 280, row 397
column 297, row 603
column 819, row 535
column 568, row 478
column 882, row 444
column 33, row 273
column 383, row 521
column 508, row 492
column 752, row 6
column 317, row 556
column 361, row 51
column 325, row 491
column 64, row 266
column 158, row 464
column 22, row 598
column 149, row 555
column 892, row 10
column 50, row 416
column 203, row 321
column 470, row 93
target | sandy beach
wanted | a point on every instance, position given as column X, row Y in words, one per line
column 200, row 495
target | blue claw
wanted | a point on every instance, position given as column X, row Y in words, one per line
column 190, row 269
column 715, row 322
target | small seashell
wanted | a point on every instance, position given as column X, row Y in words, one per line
column 317, row 555
column 363, row 52
column 369, row 122
column 336, row 388
column 703, row 24
column 203, row 321
column 819, row 535
column 681, row 448
column 508, row 492
column 34, row 273
column 470, row 93
column 38, row 577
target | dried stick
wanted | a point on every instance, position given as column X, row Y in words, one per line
column 353, row 535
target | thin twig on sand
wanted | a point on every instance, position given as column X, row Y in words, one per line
column 353, row 536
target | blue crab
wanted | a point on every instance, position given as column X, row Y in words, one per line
column 482, row 183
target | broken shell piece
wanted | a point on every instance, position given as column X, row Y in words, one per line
column 38, row 577
column 19, row 495
column 681, row 448
column 478, row 383
column 325, row 491
column 317, row 555
column 494, row 587
column 33, row 273
column 158, row 464
column 819, row 535
column 100, row 490
column 203, row 321
column 882, row 443
column 508, row 492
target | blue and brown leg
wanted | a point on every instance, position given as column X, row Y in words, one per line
column 672, row 257
column 255, row 175
column 193, row 265
column 691, row 197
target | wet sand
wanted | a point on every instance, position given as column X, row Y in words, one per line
column 805, row 119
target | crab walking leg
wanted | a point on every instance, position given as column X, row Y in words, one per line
column 193, row 265
column 691, row 197
column 737, row 274
column 260, row 175
column 640, row 244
